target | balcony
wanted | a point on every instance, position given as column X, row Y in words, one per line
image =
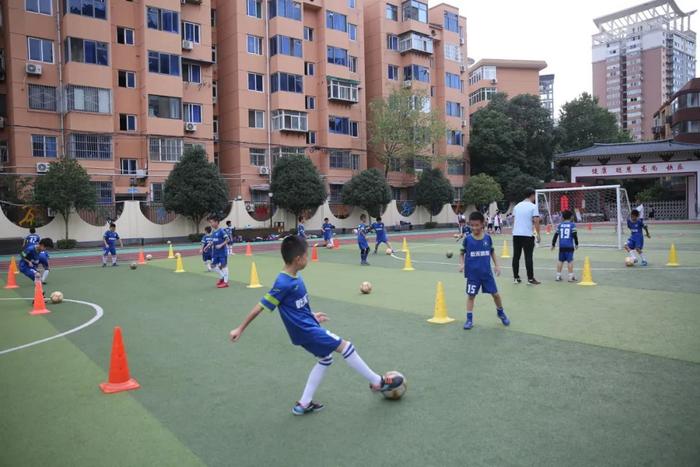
column 413, row 42
column 290, row 121
column 343, row 90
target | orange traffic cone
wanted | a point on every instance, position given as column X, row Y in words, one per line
column 13, row 265
column 39, row 307
column 142, row 259
column 336, row 243
column 119, row 379
column 314, row 254
column 248, row 250
column 11, row 280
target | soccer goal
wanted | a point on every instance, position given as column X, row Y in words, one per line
column 600, row 212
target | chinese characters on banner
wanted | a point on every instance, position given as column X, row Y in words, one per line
column 636, row 169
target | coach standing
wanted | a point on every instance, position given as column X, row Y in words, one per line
column 526, row 219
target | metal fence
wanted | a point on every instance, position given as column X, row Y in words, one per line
column 103, row 214
column 156, row 213
column 666, row 210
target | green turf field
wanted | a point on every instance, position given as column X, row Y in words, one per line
column 605, row 375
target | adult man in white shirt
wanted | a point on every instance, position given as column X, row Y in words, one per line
column 526, row 218
column 640, row 208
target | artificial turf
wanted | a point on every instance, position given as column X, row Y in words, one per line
column 606, row 375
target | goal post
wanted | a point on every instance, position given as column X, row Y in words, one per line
column 600, row 212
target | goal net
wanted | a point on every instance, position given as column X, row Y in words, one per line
column 600, row 212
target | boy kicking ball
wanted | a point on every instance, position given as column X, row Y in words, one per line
column 289, row 295
column 475, row 261
column 568, row 242
column 635, row 244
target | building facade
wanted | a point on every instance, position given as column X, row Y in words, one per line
column 547, row 93
column 641, row 57
column 679, row 117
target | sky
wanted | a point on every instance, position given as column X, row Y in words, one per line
column 556, row 31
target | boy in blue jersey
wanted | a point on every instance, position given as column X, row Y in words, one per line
column 32, row 238
column 475, row 261
column 229, row 231
column 206, row 248
column 379, row 228
column 301, row 230
column 464, row 229
column 327, row 229
column 362, row 240
column 31, row 257
column 635, row 244
column 219, row 254
column 568, row 242
column 289, row 295
column 109, row 239
column 44, row 263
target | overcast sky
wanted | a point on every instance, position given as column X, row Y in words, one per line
column 556, row 31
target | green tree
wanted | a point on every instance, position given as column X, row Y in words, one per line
column 583, row 122
column 195, row 187
column 481, row 190
column 515, row 134
column 66, row 186
column 399, row 129
column 518, row 184
column 367, row 190
column 433, row 191
column 296, row 185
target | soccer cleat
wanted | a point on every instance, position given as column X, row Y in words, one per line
column 644, row 262
column 222, row 285
column 533, row 281
column 299, row 409
column 114, row 265
column 468, row 324
column 517, row 280
column 502, row 316
column 104, row 265
column 558, row 278
column 572, row 279
column 388, row 383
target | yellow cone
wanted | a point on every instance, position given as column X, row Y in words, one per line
column 171, row 254
column 254, row 279
column 672, row 257
column 13, row 265
column 587, row 278
column 407, row 265
column 178, row 266
column 404, row 247
column 505, row 253
column 440, row 313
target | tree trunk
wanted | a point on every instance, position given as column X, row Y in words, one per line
column 196, row 221
column 66, row 217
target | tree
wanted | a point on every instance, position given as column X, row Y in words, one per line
column 515, row 134
column 400, row 129
column 518, row 184
column 481, row 190
column 368, row 190
column 195, row 188
column 296, row 185
column 433, row 191
column 583, row 122
column 66, row 186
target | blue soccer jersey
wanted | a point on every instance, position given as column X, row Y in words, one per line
column 32, row 239
column 567, row 233
column 301, row 231
column 206, row 247
column 465, row 230
column 31, row 253
column 477, row 256
column 636, row 228
column 362, row 236
column 229, row 232
column 380, row 230
column 110, row 238
column 44, row 259
column 219, row 237
column 327, row 229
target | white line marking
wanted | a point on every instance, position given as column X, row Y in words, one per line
column 98, row 314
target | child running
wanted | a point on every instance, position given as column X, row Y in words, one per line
column 289, row 295
column 635, row 244
column 301, row 230
column 219, row 254
column 109, row 239
column 568, row 242
column 327, row 229
column 474, row 261
column 379, row 228
column 206, row 249
column 362, row 240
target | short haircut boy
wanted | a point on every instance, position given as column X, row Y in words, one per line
column 293, row 246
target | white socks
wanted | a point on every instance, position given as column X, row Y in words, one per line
column 315, row 379
column 44, row 275
column 356, row 363
column 224, row 274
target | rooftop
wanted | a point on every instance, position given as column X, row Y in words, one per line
column 504, row 63
column 628, row 149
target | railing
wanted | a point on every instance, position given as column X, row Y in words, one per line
column 666, row 210
column 156, row 213
column 102, row 214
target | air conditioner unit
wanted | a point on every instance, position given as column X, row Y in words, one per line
column 33, row 69
column 2, row 122
column 264, row 170
column 408, row 83
column 250, row 207
column 190, row 127
column 494, row 81
column 462, row 68
column 187, row 45
column 42, row 167
column 464, row 123
column 141, row 173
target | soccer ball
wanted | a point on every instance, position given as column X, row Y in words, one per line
column 329, row 246
column 133, row 265
column 56, row 297
column 365, row 287
column 396, row 393
column 389, row 251
column 177, row 255
column 456, row 235
column 149, row 257
column 629, row 261
column 169, row 242
column 448, row 254
column 354, row 231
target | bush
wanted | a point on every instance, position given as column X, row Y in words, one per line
column 195, row 237
column 66, row 244
column 430, row 225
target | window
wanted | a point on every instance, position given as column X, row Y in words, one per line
column 257, row 157
column 417, row 73
column 308, row 34
column 311, row 137
column 129, row 166
column 157, row 192
column 190, row 32
column 335, row 193
column 392, row 12
column 125, row 36
column 193, row 113
column 127, row 122
column 454, row 138
column 336, row 21
column 126, row 79
column 354, row 129
column 40, row 50
column 344, row 160
column 165, row 149
column 484, row 72
column 414, row 41
column 285, row 151
column 42, row 97
column 392, row 42
column 393, row 72
column 85, row 51
column 163, row 63
column 43, row 146
column 254, row 8
column 215, row 128
column 285, row 46
column 191, row 73
column 287, row 82
column 416, row 11
column 256, row 119
column 289, row 120
column 351, row 3
column 455, row 167
column 38, row 6
column 352, row 64
column 213, row 17
column 92, row 8
column 342, row 90
column 104, row 192
column 308, row 69
column 309, row 102
column 482, row 94
column 339, row 125
column 214, row 90
column 395, row 166
column 255, row 82
column 453, row 109
column 337, row 56
column 352, row 32
column 164, row 107
column 452, row 81
column 255, row 45
column 87, row 99
column 421, row 103
column 287, row 8
column 90, row 146
column 213, row 54
column 451, row 22
column 453, row 52
column 163, row 20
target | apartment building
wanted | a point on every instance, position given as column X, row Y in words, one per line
column 679, row 117
column 410, row 45
column 121, row 86
column 642, row 56
column 547, row 93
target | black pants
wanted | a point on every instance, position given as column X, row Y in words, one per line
column 363, row 254
column 527, row 244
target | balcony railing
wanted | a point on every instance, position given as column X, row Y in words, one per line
column 415, row 43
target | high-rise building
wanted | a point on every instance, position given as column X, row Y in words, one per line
column 641, row 56
column 121, row 86
column 547, row 93
column 410, row 45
